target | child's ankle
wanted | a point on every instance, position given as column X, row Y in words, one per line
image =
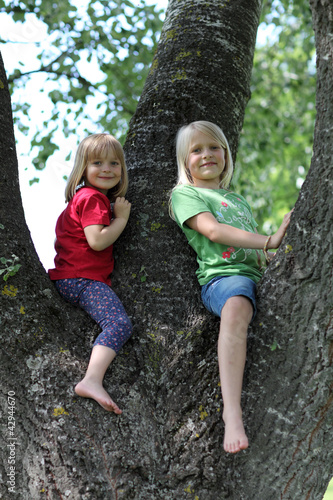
column 232, row 414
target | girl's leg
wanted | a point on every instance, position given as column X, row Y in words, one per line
column 235, row 319
column 91, row 386
column 103, row 305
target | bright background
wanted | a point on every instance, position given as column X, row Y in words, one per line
column 49, row 191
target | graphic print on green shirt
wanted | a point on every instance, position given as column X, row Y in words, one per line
column 227, row 207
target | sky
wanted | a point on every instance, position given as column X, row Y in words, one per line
column 42, row 201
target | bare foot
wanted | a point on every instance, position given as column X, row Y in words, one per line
column 235, row 438
column 94, row 390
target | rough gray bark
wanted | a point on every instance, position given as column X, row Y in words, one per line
column 168, row 442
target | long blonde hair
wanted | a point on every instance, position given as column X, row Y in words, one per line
column 92, row 147
column 183, row 144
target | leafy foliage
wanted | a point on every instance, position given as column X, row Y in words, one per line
column 116, row 40
column 276, row 142
column 11, row 266
column 99, row 51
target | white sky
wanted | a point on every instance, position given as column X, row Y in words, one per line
column 42, row 201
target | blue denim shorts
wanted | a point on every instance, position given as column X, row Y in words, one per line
column 217, row 291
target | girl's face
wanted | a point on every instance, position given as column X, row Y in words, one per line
column 103, row 173
column 206, row 161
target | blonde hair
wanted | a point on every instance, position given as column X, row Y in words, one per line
column 183, row 144
column 97, row 146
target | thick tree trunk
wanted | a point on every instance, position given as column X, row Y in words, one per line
column 167, row 444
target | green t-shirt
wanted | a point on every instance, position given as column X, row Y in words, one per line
column 230, row 208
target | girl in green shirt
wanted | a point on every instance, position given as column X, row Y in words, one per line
column 231, row 254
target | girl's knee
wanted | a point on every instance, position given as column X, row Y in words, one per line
column 237, row 310
column 115, row 335
column 122, row 328
column 126, row 326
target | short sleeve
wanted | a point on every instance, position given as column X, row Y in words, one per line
column 186, row 203
column 94, row 209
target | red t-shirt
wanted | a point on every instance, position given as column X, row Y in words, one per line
column 75, row 258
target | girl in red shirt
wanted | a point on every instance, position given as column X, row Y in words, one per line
column 85, row 233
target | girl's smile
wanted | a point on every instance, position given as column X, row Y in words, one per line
column 206, row 161
column 103, row 174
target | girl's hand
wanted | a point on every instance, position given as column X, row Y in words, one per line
column 276, row 238
column 100, row 237
column 121, row 208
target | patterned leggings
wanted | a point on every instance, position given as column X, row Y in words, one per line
column 102, row 305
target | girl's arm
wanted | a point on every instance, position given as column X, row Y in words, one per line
column 100, row 237
column 206, row 224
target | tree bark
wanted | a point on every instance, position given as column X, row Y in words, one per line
column 168, row 443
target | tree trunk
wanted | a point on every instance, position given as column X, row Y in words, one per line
column 168, row 443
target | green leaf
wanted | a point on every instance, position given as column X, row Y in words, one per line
column 274, row 345
column 35, row 180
